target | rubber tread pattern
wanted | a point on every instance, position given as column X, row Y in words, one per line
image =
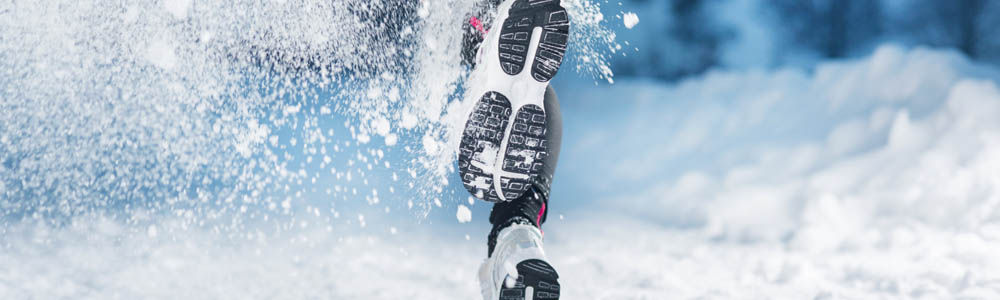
column 526, row 150
column 534, row 273
column 515, row 38
column 484, row 132
column 484, row 135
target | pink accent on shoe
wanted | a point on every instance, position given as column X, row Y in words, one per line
column 538, row 220
column 478, row 25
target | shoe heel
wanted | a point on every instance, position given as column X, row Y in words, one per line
column 491, row 130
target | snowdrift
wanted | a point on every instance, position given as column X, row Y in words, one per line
column 859, row 179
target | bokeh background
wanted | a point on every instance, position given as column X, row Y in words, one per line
column 706, row 86
column 817, row 149
column 742, row 149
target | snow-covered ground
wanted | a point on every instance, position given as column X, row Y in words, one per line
column 613, row 258
column 868, row 179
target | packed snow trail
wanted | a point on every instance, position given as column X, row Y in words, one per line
column 618, row 258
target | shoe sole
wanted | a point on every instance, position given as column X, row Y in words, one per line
column 504, row 141
column 536, row 279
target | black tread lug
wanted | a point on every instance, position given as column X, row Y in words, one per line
column 485, row 128
column 515, row 38
column 537, row 274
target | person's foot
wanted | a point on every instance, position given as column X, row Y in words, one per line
column 518, row 268
column 504, row 142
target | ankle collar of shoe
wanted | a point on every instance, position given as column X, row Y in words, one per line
column 498, row 228
column 532, row 206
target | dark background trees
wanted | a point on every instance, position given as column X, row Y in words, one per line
column 692, row 36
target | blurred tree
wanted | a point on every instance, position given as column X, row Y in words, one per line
column 831, row 28
column 967, row 25
column 702, row 39
column 678, row 38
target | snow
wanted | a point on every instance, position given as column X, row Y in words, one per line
column 172, row 119
column 486, row 158
column 886, row 189
column 178, row 8
column 464, row 215
column 95, row 261
column 430, row 145
column 161, row 54
column 630, row 19
column 859, row 179
column 856, row 179
column 910, row 262
column 893, row 138
column 632, row 259
column 391, row 139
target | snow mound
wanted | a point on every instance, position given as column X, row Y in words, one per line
column 865, row 178
column 904, row 135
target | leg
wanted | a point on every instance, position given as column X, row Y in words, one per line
column 510, row 146
column 504, row 143
column 532, row 207
column 553, row 133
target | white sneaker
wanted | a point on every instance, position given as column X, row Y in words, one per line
column 518, row 269
column 504, row 141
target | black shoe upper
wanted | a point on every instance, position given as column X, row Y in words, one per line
column 530, row 209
